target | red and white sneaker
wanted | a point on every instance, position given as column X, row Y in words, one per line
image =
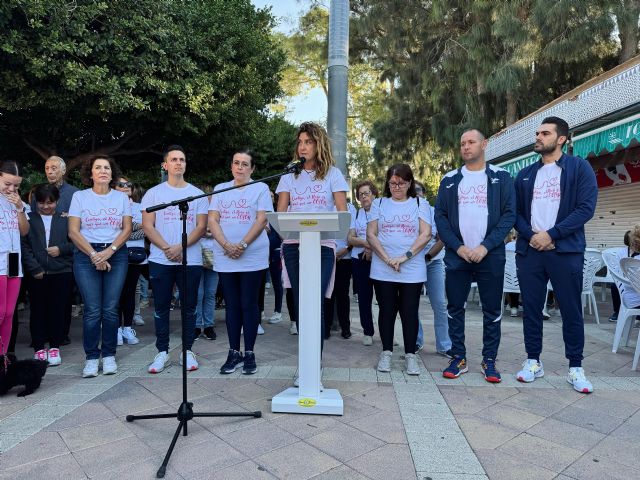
column 54, row 357
column 40, row 355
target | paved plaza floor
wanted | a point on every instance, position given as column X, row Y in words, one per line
column 394, row 426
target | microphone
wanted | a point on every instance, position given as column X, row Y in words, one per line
column 295, row 166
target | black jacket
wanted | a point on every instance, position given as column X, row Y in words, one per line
column 35, row 258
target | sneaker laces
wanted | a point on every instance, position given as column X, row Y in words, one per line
column 578, row 374
column 530, row 365
column 53, row 353
column 489, row 365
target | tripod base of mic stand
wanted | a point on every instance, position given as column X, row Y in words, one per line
column 184, row 414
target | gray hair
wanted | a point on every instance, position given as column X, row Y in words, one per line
column 63, row 166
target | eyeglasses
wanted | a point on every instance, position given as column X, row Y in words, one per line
column 124, row 184
column 398, row 185
column 364, row 194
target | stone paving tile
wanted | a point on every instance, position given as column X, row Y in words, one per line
column 70, row 399
column 450, row 476
column 384, row 426
column 509, row 417
column 502, row 466
column 553, row 456
column 483, row 433
column 145, row 469
column 90, row 412
column 566, row 434
column 94, row 434
column 382, row 398
column 21, row 424
column 342, row 472
column 606, row 404
column 384, row 463
column 8, row 441
column 305, row 426
column 10, row 408
column 593, row 467
column 428, row 456
column 344, row 442
column 211, row 455
column 39, row 447
column 109, row 456
column 624, row 453
column 63, row 467
column 298, row 461
column 256, row 440
column 597, row 421
column 242, row 471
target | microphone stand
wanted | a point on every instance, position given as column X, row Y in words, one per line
column 185, row 411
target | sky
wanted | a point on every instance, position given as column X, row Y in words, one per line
column 313, row 105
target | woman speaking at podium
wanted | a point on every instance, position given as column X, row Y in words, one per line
column 319, row 187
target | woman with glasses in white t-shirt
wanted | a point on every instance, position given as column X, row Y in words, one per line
column 237, row 220
column 398, row 229
column 99, row 226
column 319, row 187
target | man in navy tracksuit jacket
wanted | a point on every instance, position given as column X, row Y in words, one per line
column 556, row 196
column 475, row 210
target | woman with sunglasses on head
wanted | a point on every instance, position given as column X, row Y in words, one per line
column 13, row 224
column 398, row 229
column 366, row 192
column 319, row 187
column 138, row 263
column 99, row 226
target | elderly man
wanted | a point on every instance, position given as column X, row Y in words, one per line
column 54, row 169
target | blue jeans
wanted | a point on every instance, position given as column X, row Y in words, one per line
column 144, row 287
column 162, row 279
column 205, row 310
column 291, row 255
column 364, row 288
column 240, row 290
column 100, row 292
column 435, row 291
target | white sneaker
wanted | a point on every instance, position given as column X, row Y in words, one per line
column 367, row 340
column 267, row 285
column 54, row 357
column 260, row 330
column 384, row 364
column 90, row 368
column 513, row 312
column 192, row 363
column 109, row 365
column 531, row 369
column 138, row 321
column 40, row 355
column 293, row 330
column 160, row 361
column 579, row 381
column 129, row 336
column 276, row 318
column 411, row 363
column 120, row 340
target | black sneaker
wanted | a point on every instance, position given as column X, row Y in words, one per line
column 196, row 334
column 346, row 334
column 234, row 359
column 249, row 367
column 210, row 333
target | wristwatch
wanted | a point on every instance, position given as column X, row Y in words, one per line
column 114, row 248
column 408, row 254
column 243, row 244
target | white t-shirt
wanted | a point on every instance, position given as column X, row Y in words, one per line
column 473, row 213
column 359, row 224
column 168, row 223
column 342, row 242
column 398, row 228
column 9, row 235
column 46, row 220
column 546, row 198
column 100, row 215
column 434, row 233
column 238, row 212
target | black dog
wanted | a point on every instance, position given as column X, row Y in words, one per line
column 21, row 372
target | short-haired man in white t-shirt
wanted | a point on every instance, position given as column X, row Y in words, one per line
column 475, row 210
column 164, row 230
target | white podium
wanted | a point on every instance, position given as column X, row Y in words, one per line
column 309, row 228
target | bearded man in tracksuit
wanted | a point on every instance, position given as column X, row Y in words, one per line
column 556, row 196
column 475, row 210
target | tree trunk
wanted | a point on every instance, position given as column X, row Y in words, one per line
column 512, row 108
column 627, row 16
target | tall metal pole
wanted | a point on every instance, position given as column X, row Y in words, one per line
column 338, row 80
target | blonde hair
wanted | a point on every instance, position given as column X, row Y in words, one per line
column 634, row 238
column 324, row 157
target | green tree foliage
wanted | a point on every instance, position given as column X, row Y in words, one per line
column 126, row 77
column 456, row 64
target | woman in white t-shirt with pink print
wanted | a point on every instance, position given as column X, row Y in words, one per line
column 398, row 228
column 237, row 220
column 319, row 187
column 99, row 226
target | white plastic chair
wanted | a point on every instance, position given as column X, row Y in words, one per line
column 631, row 270
column 511, row 284
column 627, row 313
column 604, row 281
